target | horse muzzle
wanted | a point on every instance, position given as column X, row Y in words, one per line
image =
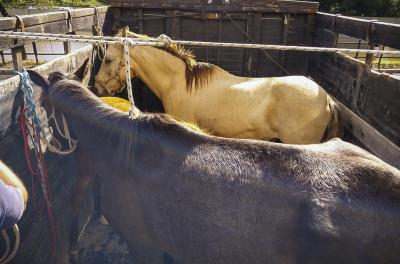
column 102, row 90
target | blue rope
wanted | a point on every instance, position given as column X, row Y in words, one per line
column 26, row 88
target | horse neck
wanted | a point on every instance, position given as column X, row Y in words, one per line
column 161, row 71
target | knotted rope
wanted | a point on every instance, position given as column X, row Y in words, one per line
column 26, row 88
column 126, row 43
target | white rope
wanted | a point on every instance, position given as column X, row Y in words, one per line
column 161, row 41
column 134, row 112
column 8, row 245
column 73, row 143
column 16, row 245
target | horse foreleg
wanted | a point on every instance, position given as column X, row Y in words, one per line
column 97, row 202
column 78, row 194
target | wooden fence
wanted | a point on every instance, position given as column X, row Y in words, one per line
column 66, row 22
column 371, row 95
column 242, row 21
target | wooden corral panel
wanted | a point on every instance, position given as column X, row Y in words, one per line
column 371, row 95
column 55, row 22
column 377, row 32
column 268, row 22
column 224, row 5
column 35, row 244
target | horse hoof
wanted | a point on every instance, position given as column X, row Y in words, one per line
column 103, row 220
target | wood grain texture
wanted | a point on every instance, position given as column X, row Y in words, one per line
column 11, row 97
column 52, row 22
column 35, row 244
column 233, row 5
column 371, row 95
column 383, row 33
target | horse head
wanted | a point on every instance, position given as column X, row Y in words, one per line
column 111, row 77
column 46, row 84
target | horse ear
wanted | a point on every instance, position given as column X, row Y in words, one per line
column 39, row 80
column 125, row 31
column 82, row 71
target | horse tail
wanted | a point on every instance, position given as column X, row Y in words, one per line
column 334, row 129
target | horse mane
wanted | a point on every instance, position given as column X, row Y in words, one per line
column 197, row 74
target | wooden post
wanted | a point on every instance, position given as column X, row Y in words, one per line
column 371, row 45
column 16, row 54
column 205, row 17
column 285, row 33
column 257, row 23
column 35, row 52
column 67, row 47
column 172, row 23
column 115, row 20
column 308, row 35
column 380, row 58
column 247, row 54
column 3, row 60
column 335, row 38
column 140, row 21
column 219, row 38
column 3, row 11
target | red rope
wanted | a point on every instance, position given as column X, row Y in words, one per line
column 25, row 125
column 36, row 172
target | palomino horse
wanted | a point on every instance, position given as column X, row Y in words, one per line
column 179, row 196
column 293, row 109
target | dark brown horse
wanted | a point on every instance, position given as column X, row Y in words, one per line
column 176, row 195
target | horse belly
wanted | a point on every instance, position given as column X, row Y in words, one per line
column 237, row 120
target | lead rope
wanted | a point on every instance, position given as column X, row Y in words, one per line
column 134, row 112
column 27, row 113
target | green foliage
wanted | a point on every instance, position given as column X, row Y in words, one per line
column 51, row 3
column 361, row 7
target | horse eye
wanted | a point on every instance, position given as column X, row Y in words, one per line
column 107, row 61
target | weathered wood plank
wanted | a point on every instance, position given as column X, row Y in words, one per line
column 377, row 143
column 323, row 37
column 52, row 22
column 371, row 95
column 384, row 33
column 17, row 58
column 233, row 5
column 285, row 33
column 10, row 97
column 257, row 38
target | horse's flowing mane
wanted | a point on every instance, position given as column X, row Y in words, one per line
column 197, row 74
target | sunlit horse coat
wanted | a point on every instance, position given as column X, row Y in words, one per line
column 293, row 109
column 178, row 195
